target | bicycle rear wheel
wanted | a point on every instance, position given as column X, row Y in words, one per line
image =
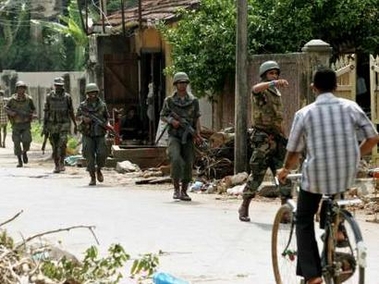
column 349, row 254
column 284, row 248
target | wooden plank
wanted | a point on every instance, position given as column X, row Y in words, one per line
column 144, row 152
column 144, row 181
column 160, row 180
column 144, row 157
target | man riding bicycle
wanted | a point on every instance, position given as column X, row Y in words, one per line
column 328, row 130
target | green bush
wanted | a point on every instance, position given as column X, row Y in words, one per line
column 36, row 132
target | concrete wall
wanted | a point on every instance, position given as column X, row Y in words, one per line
column 40, row 83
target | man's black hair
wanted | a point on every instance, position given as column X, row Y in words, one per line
column 325, row 79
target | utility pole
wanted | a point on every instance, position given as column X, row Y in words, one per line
column 103, row 11
column 241, row 89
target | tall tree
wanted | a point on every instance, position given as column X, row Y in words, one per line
column 70, row 26
column 20, row 51
column 203, row 42
column 13, row 22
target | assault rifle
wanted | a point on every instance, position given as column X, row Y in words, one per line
column 188, row 129
column 161, row 135
column 103, row 124
column 20, row 113
column 278, row 137
column 45, row 138
column 281, row 140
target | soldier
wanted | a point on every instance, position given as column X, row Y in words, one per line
column 268, row 142
column 181, row 113
column 59, row 113
column 20, row 109
column 93, row 116
column 3, row 119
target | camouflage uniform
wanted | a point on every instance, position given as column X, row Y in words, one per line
column 59, row 112
column 180, row 141
column 94, row 146
column 267, row 141
column 24, row 108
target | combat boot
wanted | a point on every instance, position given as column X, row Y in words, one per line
column 243, row 211
column 57, row 168
column 99, row 175
column 176, row 189
column 61, row 164
column 19, row 165
column 93, row 178
column 183, row 194
column 25, row 157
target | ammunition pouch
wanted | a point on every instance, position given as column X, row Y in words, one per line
column 84, row 128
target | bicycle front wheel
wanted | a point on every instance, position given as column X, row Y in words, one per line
column 284, row 247
column 349, row 255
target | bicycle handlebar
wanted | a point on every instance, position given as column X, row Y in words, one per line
column 293, row 176
column 289, row 176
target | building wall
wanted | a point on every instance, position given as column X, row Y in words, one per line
column 40, row 83
column 292, row 69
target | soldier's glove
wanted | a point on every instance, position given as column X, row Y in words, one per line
column 175, row 123
column 87, row 119
column 11, row 113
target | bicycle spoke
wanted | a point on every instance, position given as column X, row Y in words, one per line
column 345, row 254
column 284, row 249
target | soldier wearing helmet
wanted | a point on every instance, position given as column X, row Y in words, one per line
column 21, row 110
column 93, row 116
column 181, row 77
column 58, row 116
column 181, row 112
column 267, row 141
column 20, row 84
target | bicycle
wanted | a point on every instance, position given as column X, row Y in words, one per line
column 339, row 264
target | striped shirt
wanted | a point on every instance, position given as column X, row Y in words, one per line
column 3, row 114
column 328, row 131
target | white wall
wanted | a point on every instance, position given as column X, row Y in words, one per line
column 39, row 84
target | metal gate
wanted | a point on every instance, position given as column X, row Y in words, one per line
column 345, row 68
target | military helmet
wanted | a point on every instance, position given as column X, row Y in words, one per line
column 91, row 87
column 59, row 81
column 181, row 77
column 20, row 84
column 267, row 66
column 2, row 92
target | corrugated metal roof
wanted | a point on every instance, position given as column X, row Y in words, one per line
column 152, row 10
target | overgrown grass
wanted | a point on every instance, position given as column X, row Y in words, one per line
column 72, row 143
column 36, row 132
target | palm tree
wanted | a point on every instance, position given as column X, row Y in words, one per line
column 71, row 26
column 10, row 25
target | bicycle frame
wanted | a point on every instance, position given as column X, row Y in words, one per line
column 339, row 264
column 332, row 220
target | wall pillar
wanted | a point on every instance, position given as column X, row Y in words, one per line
column 319, row 53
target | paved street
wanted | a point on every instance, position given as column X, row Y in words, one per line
column 202, row 240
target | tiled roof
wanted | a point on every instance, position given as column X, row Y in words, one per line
column 152, row 10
